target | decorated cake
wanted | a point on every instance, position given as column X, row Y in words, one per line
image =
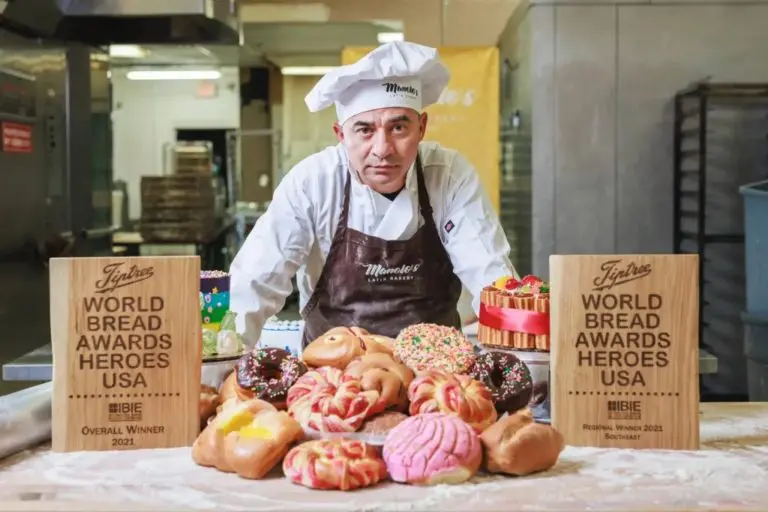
column 515, row 314
column 214, row 298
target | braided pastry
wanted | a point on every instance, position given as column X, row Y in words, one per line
column 460, row 395
column 326, row 400
column 340, row 345
column 380, row 372
column 341, row 464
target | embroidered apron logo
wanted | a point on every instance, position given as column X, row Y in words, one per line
column 380, row 274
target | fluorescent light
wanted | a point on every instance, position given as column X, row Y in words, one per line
column 388, row 37
column 174, row 74
column 129, row 51
column 306, row 70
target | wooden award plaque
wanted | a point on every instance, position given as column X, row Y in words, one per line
column 126, row 342
column 625, row 353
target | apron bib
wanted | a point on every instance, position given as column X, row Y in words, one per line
column 384, row 286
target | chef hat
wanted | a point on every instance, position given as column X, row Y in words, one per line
column 396, row 74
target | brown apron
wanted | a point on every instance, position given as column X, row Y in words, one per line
column 384, row 286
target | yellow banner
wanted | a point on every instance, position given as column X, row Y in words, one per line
column 467, row 116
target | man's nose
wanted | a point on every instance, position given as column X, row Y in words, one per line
column 382, row 145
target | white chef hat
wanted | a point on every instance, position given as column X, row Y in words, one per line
column 396, row 74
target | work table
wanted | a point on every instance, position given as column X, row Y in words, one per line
column 730, row 472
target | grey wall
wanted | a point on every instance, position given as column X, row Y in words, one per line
column 603, row 77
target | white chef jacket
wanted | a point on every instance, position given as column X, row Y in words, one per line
column 294, row 235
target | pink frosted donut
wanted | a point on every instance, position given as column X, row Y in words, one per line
column 432, row 449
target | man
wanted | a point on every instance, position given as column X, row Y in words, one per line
column 382, row 229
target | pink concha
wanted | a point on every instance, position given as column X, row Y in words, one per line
column 432, row 449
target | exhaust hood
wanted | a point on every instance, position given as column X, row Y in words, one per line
column 101, row 22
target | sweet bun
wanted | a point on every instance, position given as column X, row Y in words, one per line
column 515, row 445
column 209, row 401
column 340, row 345
column 382, row 423
column 208, row 447
column 256, row 448
column 380, row 372
column 334, row 464
column 469, row 399
column 432, row 449
column 326, row 400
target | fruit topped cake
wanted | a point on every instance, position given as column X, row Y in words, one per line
column 514, row 313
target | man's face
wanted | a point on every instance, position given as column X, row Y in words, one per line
column 382, row 144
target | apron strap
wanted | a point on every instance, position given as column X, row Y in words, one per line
column 425, row 207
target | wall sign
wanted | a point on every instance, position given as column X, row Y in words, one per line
column 16, row 137
column 126, row 346
column 625, row 355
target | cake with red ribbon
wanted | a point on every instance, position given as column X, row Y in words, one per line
column 514, row 314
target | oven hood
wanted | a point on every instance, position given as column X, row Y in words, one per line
column 102, row 22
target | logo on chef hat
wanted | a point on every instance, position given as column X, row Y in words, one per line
column 405, row 91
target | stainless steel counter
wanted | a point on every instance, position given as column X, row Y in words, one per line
column 38, row 366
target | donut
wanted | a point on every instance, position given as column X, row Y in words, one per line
column 209, row 402
column 432, row 449
column 424, row 347
column 459, row 395
column 508, row 378
column 326, row 400
column 334, row 464
column 267, row 374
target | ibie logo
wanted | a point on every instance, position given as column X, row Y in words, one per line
column 624, row 410
column 125, row 411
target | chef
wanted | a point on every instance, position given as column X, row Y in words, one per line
column 382, row 229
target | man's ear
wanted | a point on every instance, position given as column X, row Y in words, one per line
column 338, row 132
column 423, row 118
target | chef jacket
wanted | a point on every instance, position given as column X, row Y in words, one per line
column 294, row 235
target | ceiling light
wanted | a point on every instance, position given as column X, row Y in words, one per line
column 388, row 37
column 174, row 74
column 306, row 70
column 127, row 51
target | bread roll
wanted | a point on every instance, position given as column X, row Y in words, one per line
column 515, row 445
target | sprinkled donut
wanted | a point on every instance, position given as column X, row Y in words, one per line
column 508, row 378
column 269, row 373
column 424, row 347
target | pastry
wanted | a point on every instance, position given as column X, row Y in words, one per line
column 432, row 449
column 460, row 395
column 338, row 464
column 382, row 423
column 515, row 445
column 266, row 374
column 508, row 378
column 340, row 345
column 326, row 400
column 380, row 372
column 253, row 450
column 209, row 401
column 424, row 347
column 207, row 448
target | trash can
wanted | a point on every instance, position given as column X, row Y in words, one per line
column 756, row 245
column 756, row 351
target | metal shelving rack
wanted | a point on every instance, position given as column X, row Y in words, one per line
column 719, row 143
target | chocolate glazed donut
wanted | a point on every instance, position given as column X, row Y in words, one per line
column 268, row 373
column 508, row 378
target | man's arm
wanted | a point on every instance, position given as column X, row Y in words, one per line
column 472, row 233
column 270, row 256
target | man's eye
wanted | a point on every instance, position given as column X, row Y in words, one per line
column 398, row 128
column 364, row 131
